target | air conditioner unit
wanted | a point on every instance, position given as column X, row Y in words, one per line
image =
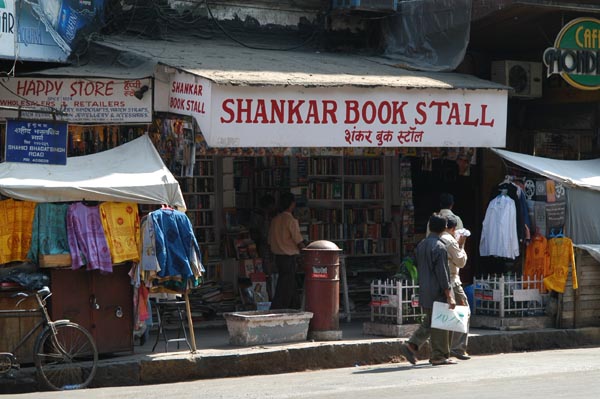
column 366, row 5
column 524, row 77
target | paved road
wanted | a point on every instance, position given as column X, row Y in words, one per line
column 549, row 374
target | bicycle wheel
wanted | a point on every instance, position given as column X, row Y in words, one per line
column 67, row 360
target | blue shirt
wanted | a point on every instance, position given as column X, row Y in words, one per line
column 176, row 246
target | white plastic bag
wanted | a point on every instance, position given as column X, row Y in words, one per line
column 444, row 318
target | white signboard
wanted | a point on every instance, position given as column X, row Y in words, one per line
column 190, row 95
column 8, row 29
column 245, row 116
column 86, row 100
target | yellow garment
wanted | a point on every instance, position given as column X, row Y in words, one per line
column 537, row 260
column 561, row 256
column 16, row 224
column 121, row 222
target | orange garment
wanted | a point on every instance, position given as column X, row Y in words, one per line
column 121, row 223
column 537, row 258
column 561, row 256
column 16, row 225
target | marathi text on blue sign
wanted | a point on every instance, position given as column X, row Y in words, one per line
column 41, row 142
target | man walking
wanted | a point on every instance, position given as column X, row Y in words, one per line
column 446, row 205
column 286, row 242
column 457, row 259
column 434, row 285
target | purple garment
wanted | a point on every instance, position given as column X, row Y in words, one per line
column 87, row 240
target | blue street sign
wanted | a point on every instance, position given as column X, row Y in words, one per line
column 36, row 141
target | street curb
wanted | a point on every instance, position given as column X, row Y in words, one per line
column 177, row 367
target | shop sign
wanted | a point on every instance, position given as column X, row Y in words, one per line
column 84, row 100
column 7, row 28
column 276, row 116
column 190, row 95
column 46, row 30
column 36, row 141
column 576, row 54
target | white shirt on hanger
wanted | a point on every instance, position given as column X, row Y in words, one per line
column 499, row 233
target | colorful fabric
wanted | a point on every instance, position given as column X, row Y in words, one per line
column 49, row 235
column 87, row 241
column 537, row 259
column 177, row 250
column 121, row 223
column 561, row 257
column 16, row 225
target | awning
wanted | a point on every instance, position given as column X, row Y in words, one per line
column 244, row 97
column 583, row 174
column 132, row 172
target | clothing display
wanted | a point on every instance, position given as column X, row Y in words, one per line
column 121, row 224
column 537, row 258
column 499, row 232
column 49, row 234
column 87, row 241
column 177, row 250
column 561, row 257
column 16, row 223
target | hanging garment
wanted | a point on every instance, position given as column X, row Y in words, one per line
column 16, row 223
column 177, row 250
column 537, row 259
column 499, row 232
column 561, row 257
column 148, row 260
column 87, row 241
column 121, row 223
column 49, row 234
column 518, row 196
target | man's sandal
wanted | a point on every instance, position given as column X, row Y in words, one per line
column 443, row 362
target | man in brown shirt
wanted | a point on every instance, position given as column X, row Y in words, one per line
column 286, row 242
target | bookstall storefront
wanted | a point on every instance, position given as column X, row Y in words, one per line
column 349, row 136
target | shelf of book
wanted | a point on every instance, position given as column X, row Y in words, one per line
column 347, row 204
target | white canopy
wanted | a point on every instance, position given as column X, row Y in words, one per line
column 132, row 172
column 584, row 174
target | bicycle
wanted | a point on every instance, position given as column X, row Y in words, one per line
column 64, row 353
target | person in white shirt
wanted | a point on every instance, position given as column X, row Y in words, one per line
column 457, row 259
column 446, row 205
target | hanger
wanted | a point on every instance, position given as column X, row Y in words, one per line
column 165, row 206
column 507, row 179
column 556, row 234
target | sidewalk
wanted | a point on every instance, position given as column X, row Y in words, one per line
column 216, row 358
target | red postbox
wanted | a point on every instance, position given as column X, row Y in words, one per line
column 321, row 261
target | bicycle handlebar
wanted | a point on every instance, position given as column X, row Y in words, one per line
column 44, row 291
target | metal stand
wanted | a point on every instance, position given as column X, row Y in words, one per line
column 176, row 306
column 345, row 288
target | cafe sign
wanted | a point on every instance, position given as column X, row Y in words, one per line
column 576, row 54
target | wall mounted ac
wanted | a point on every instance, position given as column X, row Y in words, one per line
column 524, row 77
column 366, row 5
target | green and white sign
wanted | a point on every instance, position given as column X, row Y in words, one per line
column 576, row 54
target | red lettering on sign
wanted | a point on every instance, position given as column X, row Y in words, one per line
column 422, row 113
column 92, row 88
column 39, row 87
column 468, row 121
column 483, row 117
column 225, row 105
column 454, row 115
